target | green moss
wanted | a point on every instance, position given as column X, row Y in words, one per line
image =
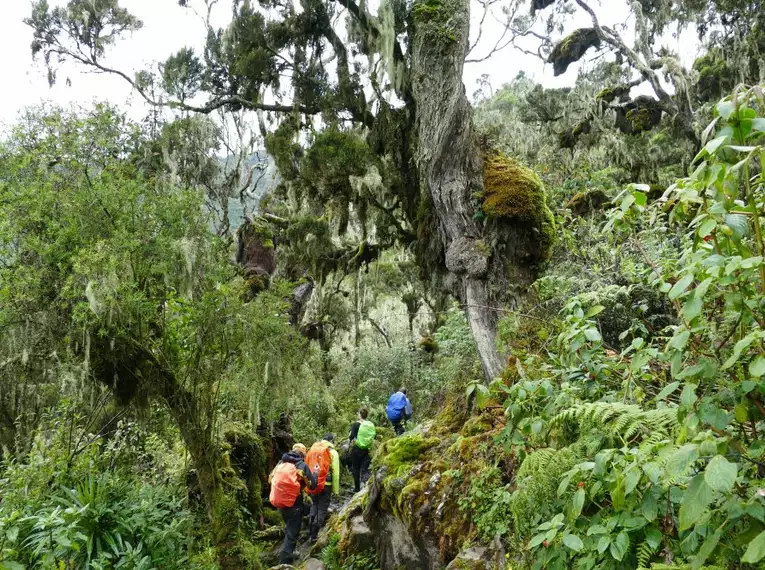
column 400, row 453
column 476, row 425
column 515, row 193
column 572, row 48
column 272, row 517
column 437, row 18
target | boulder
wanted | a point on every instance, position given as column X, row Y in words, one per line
column 360, row 537
column 399, row 550
column 480, row 558
column 313, row 564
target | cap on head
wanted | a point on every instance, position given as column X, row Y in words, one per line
column 329, row 437
column 300, row 448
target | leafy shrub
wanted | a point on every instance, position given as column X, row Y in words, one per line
column 64, row 510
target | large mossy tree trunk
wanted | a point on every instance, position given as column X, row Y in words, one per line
column 482, row 260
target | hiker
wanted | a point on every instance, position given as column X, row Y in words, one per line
column 288, row 480
column 324, row 462
column 399, row 410
column 361, row 437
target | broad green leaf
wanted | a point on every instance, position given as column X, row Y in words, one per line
column 592, row 334
column 725, row 109
column 631, row 479
column 596, row 529
column 739, row 223
column 738, row 348
column 536, row 541
column 695, row 501
column 757, row 366
column 688, row 395
column 653, row 536
column 693, row 307
column 706, row 227
column 620, row 546
column 641, row 198
column 604, row 543
column 596, row 310
column 577, row 503
column 680, row 461
column 573, row 542
column 720, row 474
column 756, row 550
column 649, row 506
column 563, row 485
column 758, row 124
column 680, row 286
column 712, row 146
column 706, row 549
column 11, row 565
column 680, row 340
column 667, row 390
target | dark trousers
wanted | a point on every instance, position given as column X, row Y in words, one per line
column 293, row 518
column 399, row 427
column 319, row 510
column 359, row 467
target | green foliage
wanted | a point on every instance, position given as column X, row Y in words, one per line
column 80, row 511
column 630, row 454
column 488, row 502
column 335, row 559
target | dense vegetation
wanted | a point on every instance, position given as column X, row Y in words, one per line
column 570, row 282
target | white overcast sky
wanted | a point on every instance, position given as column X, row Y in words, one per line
column 167, row 28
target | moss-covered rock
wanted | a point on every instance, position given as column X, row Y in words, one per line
column 514, row 193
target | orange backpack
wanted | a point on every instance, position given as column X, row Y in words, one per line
column 285, row 486
column 318, row 461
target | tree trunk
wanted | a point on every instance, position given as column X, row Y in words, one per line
column 450, row 166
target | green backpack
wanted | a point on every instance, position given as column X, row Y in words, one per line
column 366, row 434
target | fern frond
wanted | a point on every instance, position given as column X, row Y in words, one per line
column 625, row 423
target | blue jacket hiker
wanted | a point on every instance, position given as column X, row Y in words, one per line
column 399, row 410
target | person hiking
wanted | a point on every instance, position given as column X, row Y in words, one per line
column 324, row 463
column 362, row 435
column 399, row 410
column 288, row 480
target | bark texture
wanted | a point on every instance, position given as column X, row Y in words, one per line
column 450, row 165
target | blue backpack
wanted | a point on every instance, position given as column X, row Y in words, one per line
column 396, row 406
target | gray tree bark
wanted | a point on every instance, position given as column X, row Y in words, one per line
column 450, row 166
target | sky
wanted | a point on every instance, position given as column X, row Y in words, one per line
column 167, row 28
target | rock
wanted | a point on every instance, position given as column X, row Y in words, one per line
column 360, row 537
column 313, row 564
column 480, row 558
column 470, row 559
column 398, row 549
column 282, row 567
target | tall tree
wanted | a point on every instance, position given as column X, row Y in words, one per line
column 380, row 103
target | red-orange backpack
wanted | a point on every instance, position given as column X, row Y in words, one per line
column 285, row 486
column 318, row 461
